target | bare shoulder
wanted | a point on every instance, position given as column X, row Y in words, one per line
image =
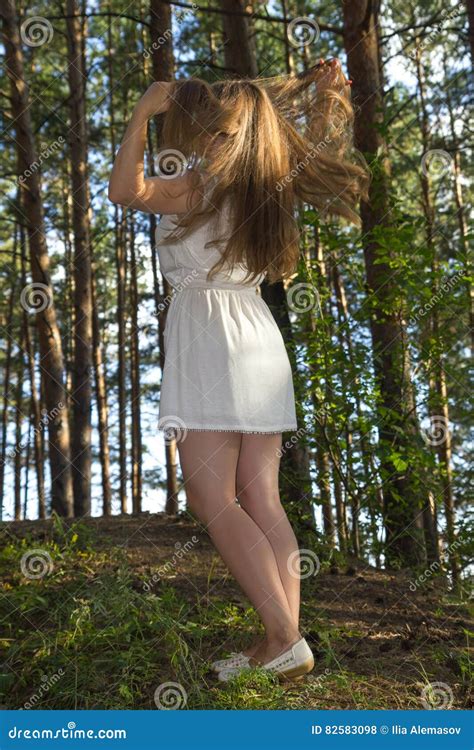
column 167, row 195
column 173, row 195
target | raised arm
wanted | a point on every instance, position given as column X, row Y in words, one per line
column 128, row 185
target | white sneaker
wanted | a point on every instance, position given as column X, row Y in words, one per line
column 236, row 659
column 294, row 663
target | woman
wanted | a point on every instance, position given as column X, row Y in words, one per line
column 243, row 153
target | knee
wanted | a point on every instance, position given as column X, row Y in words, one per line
column 257, row 496
column 206, row 509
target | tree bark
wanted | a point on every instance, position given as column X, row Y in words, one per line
column 398, row 430
column 439, row 406
column 102, row 404
column 82, row 391
column 461, row 213
column 35, row 407
column 470, row 15
column 120, row 261
column 162, row 60
column 135, row 379
column 6, row 390
column 48, row 331
column 239, row 50
column 18, row 423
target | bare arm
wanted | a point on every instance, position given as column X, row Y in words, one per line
column 128, row 185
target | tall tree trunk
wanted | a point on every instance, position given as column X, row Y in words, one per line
column 470, row 15
column 135, row 378
column 430, row 530
column 27, row 472
column 102, row 404
column 68, row 308
column 461, row 211
column 18, row 424
column 49, row 337
column 239, row 50
column 439, row 408
column 120, row 261
column 35, row 417
column 372, row 491
column 6, row 388
column 119, row 240
column 333, row 444
column 324, row 484
column 321, row 384
column 398, row 429
column 82, row 391
column 35, row 407
column 163, row 70
column 162, row 59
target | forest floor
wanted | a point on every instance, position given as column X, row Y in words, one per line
column 127, row 612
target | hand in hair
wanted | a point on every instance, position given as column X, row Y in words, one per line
column 330, row 76
column 128, row 184
column 156, row 98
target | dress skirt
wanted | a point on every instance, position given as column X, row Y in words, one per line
column 226, row 365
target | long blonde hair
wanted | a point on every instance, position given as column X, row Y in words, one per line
column 270, row 143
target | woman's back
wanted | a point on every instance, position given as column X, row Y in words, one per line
column 188, row 260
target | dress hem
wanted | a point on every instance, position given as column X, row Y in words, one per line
column 185, row 428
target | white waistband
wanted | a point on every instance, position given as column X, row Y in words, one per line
column 196, row 284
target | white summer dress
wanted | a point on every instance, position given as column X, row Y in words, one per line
column 226, row 366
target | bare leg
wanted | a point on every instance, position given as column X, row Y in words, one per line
column 258, row 494
column 209, row 464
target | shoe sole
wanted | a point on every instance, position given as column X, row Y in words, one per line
column 294, row 674
column 237, row 666
column 297, row 673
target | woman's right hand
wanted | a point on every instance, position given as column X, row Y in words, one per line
column 330, row 75
column 156, row 98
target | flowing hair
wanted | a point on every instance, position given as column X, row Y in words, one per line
column 259, row 146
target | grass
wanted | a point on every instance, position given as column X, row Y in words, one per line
column 88, row 634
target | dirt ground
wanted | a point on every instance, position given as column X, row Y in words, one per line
column 387, row 640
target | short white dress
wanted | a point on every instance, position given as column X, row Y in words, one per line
column 226, row 365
